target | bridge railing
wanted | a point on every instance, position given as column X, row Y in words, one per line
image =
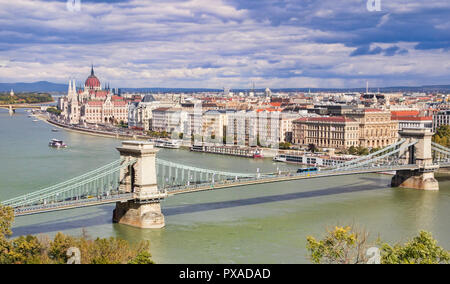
column 385, row 153
column 70, row 204
column 360, row 159
column 95, row 183
column 62, row 184
column 201, row 170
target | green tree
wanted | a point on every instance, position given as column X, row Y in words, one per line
column 442, row 135
column 54, row 110
column 352, row 150
column 144, row 257
column 285, row 145
column 59, row 246
column 6, row 221
column 32, row 250
column 342, row 245
column 362, row 151
column 422, row 249
column 312, row 148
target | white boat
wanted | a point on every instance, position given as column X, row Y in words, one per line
column 170, row 144
column 56, row 143
column 280, row 158
column 312, row 159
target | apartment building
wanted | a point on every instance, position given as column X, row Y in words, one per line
column 337, row 132
column 376, row 129
column 441, row 118
column 168, row 119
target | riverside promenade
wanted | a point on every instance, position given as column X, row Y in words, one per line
column 96, row 132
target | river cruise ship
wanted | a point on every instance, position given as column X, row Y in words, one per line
column 169, row 144
column 247, row 152
column 319, row 160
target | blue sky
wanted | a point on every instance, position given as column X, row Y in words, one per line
column 227, row 43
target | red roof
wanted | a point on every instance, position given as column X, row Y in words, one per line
column 405, row 113
column 117, row 98
column 372, row 110
column 267, row 109
column 119, row 103
column 95, row 103
column 412, row 118
column 162, row 109
column 327, row 119
column 101, row 94
column 92, row 82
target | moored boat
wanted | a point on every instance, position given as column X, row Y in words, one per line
column 169, row 144
column 257, row 154
column 56, row 143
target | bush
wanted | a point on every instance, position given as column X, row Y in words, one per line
column 344, row 245
column 32, row 250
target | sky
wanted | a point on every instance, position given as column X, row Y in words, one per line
column 227, row 43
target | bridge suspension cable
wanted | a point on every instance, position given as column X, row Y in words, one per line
column 102, row 181
column 438, row 147
column 173, row 175
column 196, row 169
column 358, row 161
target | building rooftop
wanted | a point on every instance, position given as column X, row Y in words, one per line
column 326, row 119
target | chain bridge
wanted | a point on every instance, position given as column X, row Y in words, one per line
column 12, row 107
column 138, row 181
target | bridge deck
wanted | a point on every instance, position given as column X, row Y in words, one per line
column 292, row 177
column 23, row 211
column 71, row 204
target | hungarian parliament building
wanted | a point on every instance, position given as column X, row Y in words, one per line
column 92, row 104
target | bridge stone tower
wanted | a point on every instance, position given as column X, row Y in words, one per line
column 419, row 154
column 144, row 210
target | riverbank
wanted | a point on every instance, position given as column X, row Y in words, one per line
column 268, row 153
column 97, row 133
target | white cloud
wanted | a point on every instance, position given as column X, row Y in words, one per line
column 196, row 43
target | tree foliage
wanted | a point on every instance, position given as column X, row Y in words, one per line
column 54, row 110
column 43, row 250
column 312, row 148
column 285, row 145
column 6, row 221
column 344, row 245
column 28, row 98
column 442, row 135
column 422, row 249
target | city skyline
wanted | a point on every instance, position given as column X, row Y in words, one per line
column 215, row 44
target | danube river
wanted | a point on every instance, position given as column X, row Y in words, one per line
column 253, row 224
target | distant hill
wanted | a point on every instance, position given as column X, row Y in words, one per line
column 42, row 86
column 49, row 87
column 437, row 88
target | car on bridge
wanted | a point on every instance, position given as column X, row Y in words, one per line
column 307, row 170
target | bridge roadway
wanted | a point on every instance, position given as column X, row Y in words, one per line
column 287, row 177
column 272, row 178
column 94, row 201
column 23, row 106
